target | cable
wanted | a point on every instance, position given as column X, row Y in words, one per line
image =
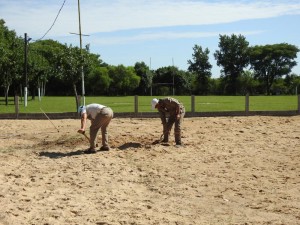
column 53, row 22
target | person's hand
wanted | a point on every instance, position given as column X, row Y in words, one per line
column 81, row 131
column 178, row 116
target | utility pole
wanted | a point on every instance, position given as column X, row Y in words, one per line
column 81, row 55
column 151, row 78
column 26, row 40
column 173, row 77
column 81, row 63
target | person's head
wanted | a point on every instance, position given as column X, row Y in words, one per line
column 81, row 109
column 154, row 102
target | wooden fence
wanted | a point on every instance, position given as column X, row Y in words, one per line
column 137, row 114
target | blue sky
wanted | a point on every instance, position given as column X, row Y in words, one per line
column 157, row 32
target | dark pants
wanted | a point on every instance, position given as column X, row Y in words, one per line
column 167, row 127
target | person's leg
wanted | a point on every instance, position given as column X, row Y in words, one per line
column 106, row 116
column 94, row 128
column 177, row 130
column 168, row 127
column 166, row 132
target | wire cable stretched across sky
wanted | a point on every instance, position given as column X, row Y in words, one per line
column 53, row 21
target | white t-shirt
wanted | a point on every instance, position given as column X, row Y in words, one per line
column 92, row 110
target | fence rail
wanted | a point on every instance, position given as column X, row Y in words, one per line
column 137, row 114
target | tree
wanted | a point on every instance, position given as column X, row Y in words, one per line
column 124, row 79
column 233, row 57
column 271, row 62
column 39, row 68
column 11, row 58
column 142, row 70
column 293, row 83
column 70, row 66
column 45, row 64
column 164, row 77
column 247, row 83
column 202, row 68
column 98, row 81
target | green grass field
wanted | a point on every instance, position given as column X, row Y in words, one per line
column 126, row 104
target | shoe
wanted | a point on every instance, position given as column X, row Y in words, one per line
column 104, row 148
column 90, row 151
column 165, row 140
column 178, row 143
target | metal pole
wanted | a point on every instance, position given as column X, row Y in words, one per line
column 80, row 38
column 17, row 106
column 151, row 78
column 25, row 69
column 173, row 77
column 299, row 104
column 247, row 103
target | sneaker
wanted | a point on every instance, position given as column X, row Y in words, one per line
column 90, row 151
column 104, row 148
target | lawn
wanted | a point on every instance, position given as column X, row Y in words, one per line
column 126, row 104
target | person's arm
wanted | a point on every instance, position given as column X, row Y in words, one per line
column 83, row 123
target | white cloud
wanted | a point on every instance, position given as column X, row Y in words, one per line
column 35, row 17
column 149, row 36
column 122, row 15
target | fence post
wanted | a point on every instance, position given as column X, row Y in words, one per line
column 247, row 103
column 299, row 104
column 136, row 104
column 17, row 106
column 193, row 103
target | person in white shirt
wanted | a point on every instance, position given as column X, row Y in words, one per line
column 100, row 117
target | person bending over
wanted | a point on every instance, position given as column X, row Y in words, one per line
column 100, row 117
column 171, row 111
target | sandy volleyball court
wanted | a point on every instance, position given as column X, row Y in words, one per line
column 232, row 170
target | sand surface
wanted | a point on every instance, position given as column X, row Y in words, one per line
column 231, row 170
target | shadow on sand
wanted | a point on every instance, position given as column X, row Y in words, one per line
column 55, row 155
column 130, row 145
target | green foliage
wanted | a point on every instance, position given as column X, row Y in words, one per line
column 247, row 83
column 272, row 61
column 99, row 81
column 292, row 82
column 165, row 77
column 233, row 57
column 124, row 80
column 142, row 70
column 202, row 68
column 11, row 59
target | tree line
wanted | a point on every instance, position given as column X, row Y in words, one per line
column 56, row 69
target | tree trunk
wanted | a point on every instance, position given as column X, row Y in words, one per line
column 33, row 94
column 44, row 88
column 76, row 96
column 21, row 92
column 6, row 94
